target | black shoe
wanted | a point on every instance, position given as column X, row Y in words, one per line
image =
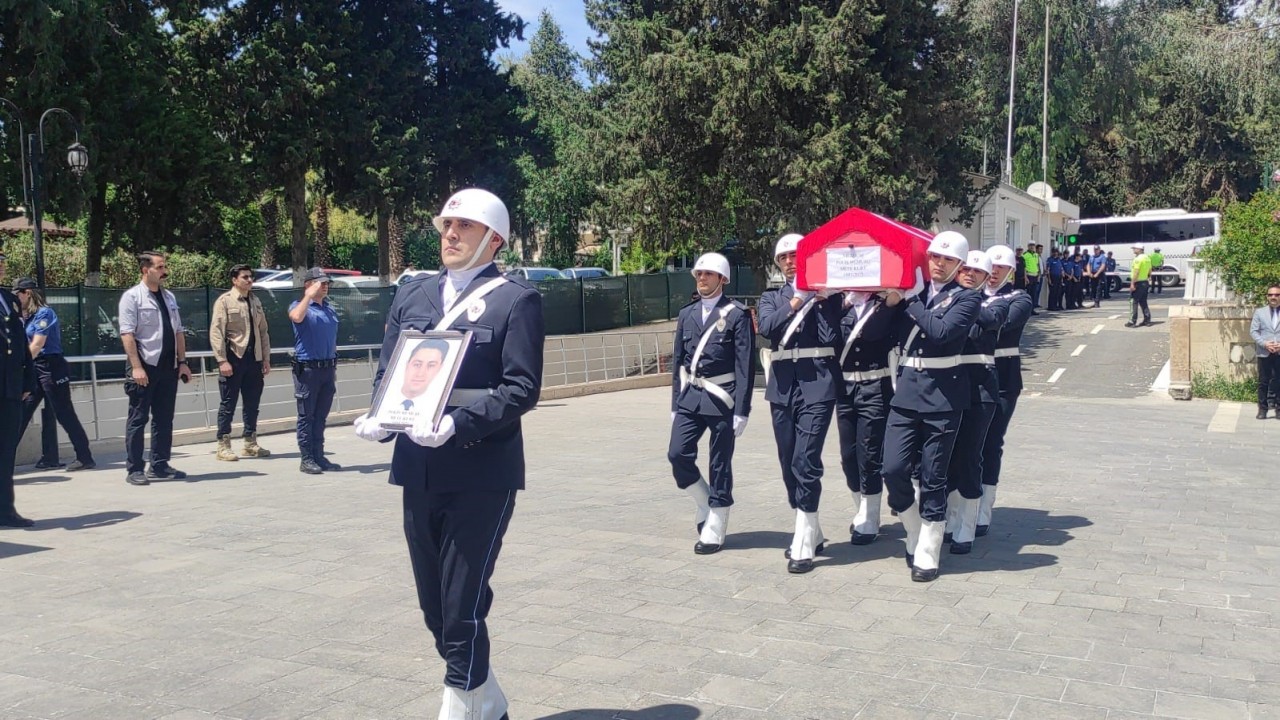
column 816, row 551
column 164, row 472
column 78, row 465
column 946, row 538
column 310, row 467
column 1145, row 323
column 961, row 548
column 1131, row 324
column 14, row 520
column 701, row 548
column 857, row 538
column 911, row 560
column 1262, row 414
column 43, row 464
column 982, row 530
column 327, row 466
column 799, row 567
column 918, row 575
column 137, row 478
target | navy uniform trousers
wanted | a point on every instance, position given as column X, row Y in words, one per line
column 800, row 429
column 967, row 458
column 861, row 414
column 313, row 388
column 53, row 387
column 993, row 450
column 931, row 437
column 686, row 431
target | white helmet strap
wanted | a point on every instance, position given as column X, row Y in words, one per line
column 480, row 248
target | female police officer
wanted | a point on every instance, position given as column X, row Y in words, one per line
column 53, row 377
column 460, row 477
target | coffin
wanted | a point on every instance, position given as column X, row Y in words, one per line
column 860, row 250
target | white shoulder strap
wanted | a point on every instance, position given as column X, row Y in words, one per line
column 706, row 335
column 795, row 322
column 462, row 303
column 857, row 330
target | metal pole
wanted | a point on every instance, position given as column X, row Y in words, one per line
column 93, row 396
column 1013, row 69
column 1044, row 111
column 36, row 155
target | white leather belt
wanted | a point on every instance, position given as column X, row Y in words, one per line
column 930, row 363
column 710, row 384
column 1008, row 352
column 466, row 396
column 978, row 359
column 868, row 375
column 800, row 353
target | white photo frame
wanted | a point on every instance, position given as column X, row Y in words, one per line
column 419, row 378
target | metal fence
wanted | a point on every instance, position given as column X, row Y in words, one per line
column 88, row 315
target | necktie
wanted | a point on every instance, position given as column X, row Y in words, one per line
column 4, row 305
column 408, row 404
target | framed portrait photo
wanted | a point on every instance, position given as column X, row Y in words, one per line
column 419, row 378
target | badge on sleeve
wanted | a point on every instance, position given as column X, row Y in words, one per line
column 721, row 324
column 42, row 324
column 476, row 310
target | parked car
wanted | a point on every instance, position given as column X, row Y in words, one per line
column 261, row 274
column 408, row 275
column 588, row 272
column 536, row 274
column 352, row 281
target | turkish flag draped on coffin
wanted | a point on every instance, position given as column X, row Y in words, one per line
column 860, row 250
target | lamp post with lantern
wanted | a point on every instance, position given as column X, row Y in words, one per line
column 32, row 161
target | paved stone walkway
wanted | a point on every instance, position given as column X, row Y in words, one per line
column 1131, row 572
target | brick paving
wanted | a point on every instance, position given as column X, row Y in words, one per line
column 1131, row 572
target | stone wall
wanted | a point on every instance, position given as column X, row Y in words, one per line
column 1208, row 339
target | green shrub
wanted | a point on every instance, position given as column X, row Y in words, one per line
column 1248, row 254
column 1217, row 386
column 64, row 265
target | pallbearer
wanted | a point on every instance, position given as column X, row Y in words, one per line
column 710, row 390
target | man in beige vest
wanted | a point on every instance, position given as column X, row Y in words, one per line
column 239, row 338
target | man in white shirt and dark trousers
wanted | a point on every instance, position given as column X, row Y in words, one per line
column 1265, row 330
column 151, row 332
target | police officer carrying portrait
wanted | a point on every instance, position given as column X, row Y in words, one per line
column 53, row 374
column 17, row 382
column 315, row 368
column 932, row 393
column 862, row 408
column 978, row 359
column 1008, row 376
column 710, row 390
column 152, row 334
column 803, row 330
column 241, row 344
column 460, row 477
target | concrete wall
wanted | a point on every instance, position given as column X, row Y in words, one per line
column 1211, row 340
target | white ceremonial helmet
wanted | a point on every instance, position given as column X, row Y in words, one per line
column 978, row 260
column 1001, row 255
column 950, row 243
column 787, row 243
column 1138, row 246
column 479, row 206
column 713, row 262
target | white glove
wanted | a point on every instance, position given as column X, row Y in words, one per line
column 825, row 293
column 917, row 288
column 368, row 428
column 423, row 434
column 804, row 295
column 739, row 425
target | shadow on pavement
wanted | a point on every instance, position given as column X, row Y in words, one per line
column 657, row 712
column 367, row 469
column 84, row 522
column 41, row 479
column 754, row 540
column 1013, row 529
column 201, row 477
column 8, row 550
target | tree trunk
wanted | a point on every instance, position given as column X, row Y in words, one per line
column 322, row 231
column 295, row 203
column 271, row 228
column 97, row 229
column 384, row 240
column 396, row 250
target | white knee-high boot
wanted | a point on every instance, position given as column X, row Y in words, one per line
column 911, row 523
column 866, row 524
column 713, row 532
column 486, row 702
column 928, row 550
column 701, row 494
column 985, row 507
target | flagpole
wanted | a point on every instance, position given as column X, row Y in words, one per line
column 1044, row 112
column 1013, row 65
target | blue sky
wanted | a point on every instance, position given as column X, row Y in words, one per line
column 568, row 13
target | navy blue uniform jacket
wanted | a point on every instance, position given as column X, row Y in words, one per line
column 487, row 452
column 817, row 378
column 984, row 383
column 1010, row 368
column 17, row 372
column 944, row 321
column 727, row 351
column 870, row 351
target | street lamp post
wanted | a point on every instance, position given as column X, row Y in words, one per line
column 32, row 161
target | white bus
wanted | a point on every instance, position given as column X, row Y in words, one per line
column 1177, row 233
